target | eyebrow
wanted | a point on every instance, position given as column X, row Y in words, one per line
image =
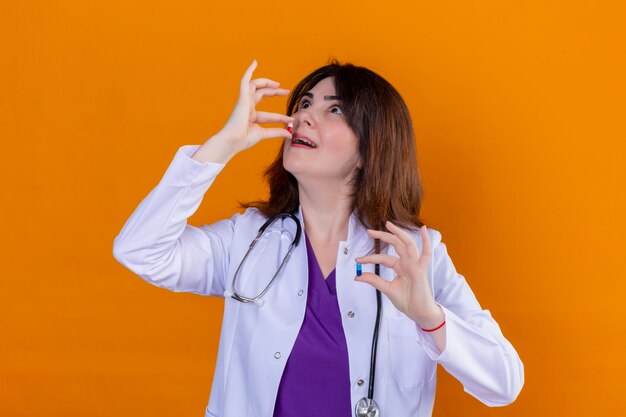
column 325, row 97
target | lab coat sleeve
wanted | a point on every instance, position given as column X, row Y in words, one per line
column 156, row 242
column 476, row 352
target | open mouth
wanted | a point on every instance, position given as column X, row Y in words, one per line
column 304, row 142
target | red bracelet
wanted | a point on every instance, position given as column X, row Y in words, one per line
column 436, row 328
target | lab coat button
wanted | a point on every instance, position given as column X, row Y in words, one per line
column 345, row 251
column 300, row 292
column 350, row 314
column 360, row 382
column 277, row 355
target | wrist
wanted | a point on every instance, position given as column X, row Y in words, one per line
column 218, row 149
column 432, row 320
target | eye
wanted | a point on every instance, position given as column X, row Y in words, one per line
column 338, row 108
column 305, row 103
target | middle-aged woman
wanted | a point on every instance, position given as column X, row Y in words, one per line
column 308, row 344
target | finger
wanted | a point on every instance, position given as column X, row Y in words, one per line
column 379, row 258
column 401, row 234
column 375, row 281
column 267, row 117
column 385, row 237
column 274, row 132
column 264, row 82
column 269, row 92
column 427, row 249
column 245, row 80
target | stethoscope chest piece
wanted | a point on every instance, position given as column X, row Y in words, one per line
column 366, row 407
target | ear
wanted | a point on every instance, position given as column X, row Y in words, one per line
column 359, row 161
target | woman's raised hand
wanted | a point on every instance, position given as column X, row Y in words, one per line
column 243, row 125
column 242, row 130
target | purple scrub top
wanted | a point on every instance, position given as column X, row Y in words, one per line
column 316, row 379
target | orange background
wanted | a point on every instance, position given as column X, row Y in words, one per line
column 519, row 110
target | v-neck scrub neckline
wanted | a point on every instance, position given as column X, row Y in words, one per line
column 330, row 280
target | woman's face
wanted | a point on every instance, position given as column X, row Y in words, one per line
column 319, row 120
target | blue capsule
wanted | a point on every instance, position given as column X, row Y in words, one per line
column 359, row 270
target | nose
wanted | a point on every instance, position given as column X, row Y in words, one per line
column 303, row 117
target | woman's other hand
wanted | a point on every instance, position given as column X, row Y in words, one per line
column 409, row 291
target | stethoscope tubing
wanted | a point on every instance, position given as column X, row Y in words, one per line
column 370, row 390
column 293, row 244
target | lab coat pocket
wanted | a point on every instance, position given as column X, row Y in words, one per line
column 410, row 365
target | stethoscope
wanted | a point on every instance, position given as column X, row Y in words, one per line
column 366, row 406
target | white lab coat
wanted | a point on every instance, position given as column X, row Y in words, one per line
column 158, row 245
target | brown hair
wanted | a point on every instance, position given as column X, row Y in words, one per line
column 387, row 187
